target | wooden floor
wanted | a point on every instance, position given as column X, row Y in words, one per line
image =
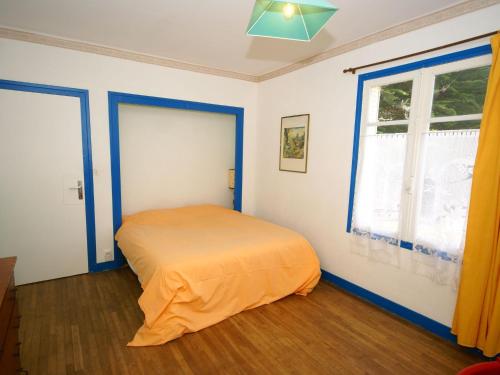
column 81, row 324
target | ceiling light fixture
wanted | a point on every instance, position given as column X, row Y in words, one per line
column 285, row 19
column 288, row 10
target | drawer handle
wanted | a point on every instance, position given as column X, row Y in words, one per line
column 21, row 371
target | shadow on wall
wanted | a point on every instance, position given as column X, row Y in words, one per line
column 282, row 50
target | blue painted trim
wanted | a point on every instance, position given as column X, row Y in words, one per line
column 238, row 173
column 114, row 142
column 83, row 96
column 117, row 98
column 433, row 61
column 427, row 63
column 392, row 307
column 42, row 89
column 406, row 245
column 355, row 151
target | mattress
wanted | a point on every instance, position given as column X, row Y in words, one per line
column 133, row 269
column 201, row 264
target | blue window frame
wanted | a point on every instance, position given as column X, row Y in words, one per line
column 363, row 78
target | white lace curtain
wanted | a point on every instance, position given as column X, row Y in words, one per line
column 440, row 215
column 379, row 183
column 443, row 201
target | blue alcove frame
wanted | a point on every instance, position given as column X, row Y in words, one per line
column 117, row 98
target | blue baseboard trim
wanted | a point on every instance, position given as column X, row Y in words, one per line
column 411, row 316
column 107, row 266
column 392, row 307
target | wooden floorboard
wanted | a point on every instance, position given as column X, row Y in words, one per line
column 81, row 325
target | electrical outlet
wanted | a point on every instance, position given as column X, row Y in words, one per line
column 108, row 255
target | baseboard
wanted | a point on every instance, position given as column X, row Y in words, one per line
column 107, row 266
column 391, row 307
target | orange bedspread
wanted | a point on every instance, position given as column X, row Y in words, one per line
column 199, row 265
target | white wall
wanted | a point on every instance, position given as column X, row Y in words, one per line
column 21, row 61
column 316, row 203
column 172, row 158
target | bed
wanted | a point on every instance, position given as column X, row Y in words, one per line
column 201, row 264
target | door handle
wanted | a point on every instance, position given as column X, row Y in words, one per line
column 79, row 187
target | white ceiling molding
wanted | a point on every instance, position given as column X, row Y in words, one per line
column 26, row 36
column 414, row 24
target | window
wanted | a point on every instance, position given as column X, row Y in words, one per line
column 418, row 134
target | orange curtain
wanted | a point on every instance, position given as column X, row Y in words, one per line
column 477, row 314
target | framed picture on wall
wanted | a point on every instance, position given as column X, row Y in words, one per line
column 293, row 145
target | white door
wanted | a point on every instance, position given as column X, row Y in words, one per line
column 42, row 210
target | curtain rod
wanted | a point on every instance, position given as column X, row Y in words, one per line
column 353, row 70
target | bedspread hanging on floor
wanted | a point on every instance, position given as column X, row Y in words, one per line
column 199, row 265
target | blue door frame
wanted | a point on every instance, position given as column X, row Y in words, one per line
column 83, row 96
column 117, row 98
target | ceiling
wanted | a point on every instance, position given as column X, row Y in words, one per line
column 210, row 33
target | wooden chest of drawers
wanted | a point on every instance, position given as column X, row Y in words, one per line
column 9, row 320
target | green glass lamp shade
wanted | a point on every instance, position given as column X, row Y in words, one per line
column 292, row 19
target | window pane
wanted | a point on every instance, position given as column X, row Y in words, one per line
column 395, row 100
column 455, row 125
column 460, row 93
column 392, row 129
column 378, row 187
column 446, row 175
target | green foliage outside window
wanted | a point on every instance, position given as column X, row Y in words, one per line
column 455, row 93
column 395, row 101
column 460, row 93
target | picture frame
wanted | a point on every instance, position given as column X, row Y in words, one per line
column 294, row 140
